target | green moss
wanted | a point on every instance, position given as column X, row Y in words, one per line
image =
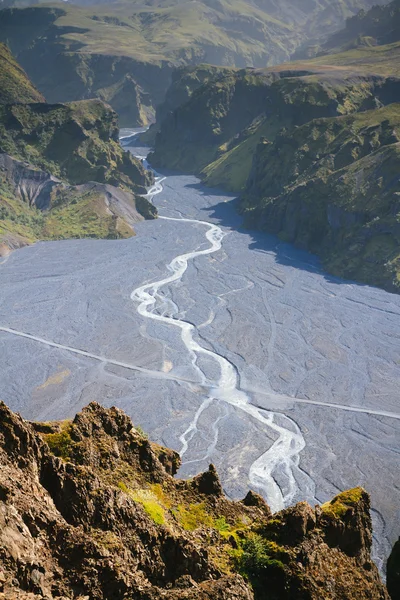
column 344, row 501
column 153, row 509
column 148, row 499
column 221, row 524
column 123, row 487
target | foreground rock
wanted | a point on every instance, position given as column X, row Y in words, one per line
column 90, row 508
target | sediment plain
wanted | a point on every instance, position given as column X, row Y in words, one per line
column 294, row 390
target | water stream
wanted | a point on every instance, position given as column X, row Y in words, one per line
column 284, row 454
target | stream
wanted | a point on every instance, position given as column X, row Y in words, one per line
column 284, row 454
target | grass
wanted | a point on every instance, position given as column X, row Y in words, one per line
column 81, row 215
column 148, row 499
column 161, row 31
column 193, row 516
column 232, row 169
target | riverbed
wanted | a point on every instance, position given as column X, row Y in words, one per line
column 228, row 345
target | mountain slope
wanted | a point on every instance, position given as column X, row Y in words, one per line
column 63, row 172
column 306, row 171
column 100, row 515
column 125, row 53
column 15, row 86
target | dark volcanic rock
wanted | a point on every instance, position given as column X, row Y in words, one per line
column 88, row 509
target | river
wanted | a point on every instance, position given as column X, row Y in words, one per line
column 229, row 346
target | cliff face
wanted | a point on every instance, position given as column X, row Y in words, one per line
column 332, row 186
column 393, row 572
column 90, row 508
column 77, row 142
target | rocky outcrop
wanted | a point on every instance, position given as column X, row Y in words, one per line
column 77, row 142
column 63, row 172
column 89, row 508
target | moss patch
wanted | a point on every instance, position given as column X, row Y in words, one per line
column 343, row 502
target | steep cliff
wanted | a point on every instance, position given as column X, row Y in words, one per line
column 90, row 508
column 77, row 142
column 393, row 572
column 333, row 186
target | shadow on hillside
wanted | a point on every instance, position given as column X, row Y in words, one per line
column 226, row 214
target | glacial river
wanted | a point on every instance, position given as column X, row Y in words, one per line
column 227, row 345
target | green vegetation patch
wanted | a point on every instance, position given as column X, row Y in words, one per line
column 193, row 516
column 341, row 503
column 148, row 499
column 15, row 85
column 61, row 443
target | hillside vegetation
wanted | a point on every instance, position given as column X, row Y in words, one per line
column 124, row 52
column 48, row 156
column 312, row 146
column 15, row 86
column 100, row 516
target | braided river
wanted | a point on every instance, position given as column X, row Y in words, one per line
column 227, row 345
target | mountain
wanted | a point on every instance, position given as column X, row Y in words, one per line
column 125, row 52
column 63, row 172
column 376, row 27
column 312, row 146
column 89, row 508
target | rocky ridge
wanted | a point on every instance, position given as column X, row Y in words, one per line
column 89, row 508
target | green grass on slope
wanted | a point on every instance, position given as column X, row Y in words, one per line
column 175, row 31
column 14, row 83
column 74, row 214
column 15, row 219
column 232, row 169
column 383, row 60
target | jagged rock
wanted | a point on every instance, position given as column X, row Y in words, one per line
column 208, row 482
column 88, row 510
column 253, row 499
column 393, row 572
